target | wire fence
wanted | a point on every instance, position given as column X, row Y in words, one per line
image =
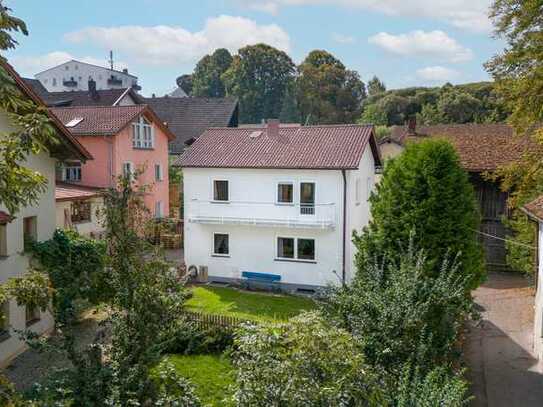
column 207, row 321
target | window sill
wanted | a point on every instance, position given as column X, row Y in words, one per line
column 143, row 148
column 4, row 336
column 32, row 322
column 223, row 256
column 285, row 203
column 81, row 222
column 296, row 260
column 220, row 202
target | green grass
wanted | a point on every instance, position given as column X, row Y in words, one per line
column 212, row 376
column 254, row 306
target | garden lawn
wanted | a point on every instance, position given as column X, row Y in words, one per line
column 211, row 375
column 254, row 306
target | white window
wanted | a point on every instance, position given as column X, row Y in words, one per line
column 220, row 190
column 72, row 172
column 158, row 209
column 142, row 134
column 289, row 248
column 128, row 169
column 307, row 198
column 369, row 187
column 358, row 191
column 159, row 176
column 54, row 81
column 285, row 192
column 221, row 244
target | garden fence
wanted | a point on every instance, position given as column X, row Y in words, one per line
column 207, row 321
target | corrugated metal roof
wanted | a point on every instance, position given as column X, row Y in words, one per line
column 311, row 147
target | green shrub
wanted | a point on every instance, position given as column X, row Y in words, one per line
column 304, row 362
column 188, row 339
column 425, row 190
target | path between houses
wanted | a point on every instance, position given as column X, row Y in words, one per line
column 498, row 350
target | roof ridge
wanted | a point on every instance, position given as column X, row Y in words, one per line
column 100, row 107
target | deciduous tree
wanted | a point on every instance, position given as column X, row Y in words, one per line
column 207, row 77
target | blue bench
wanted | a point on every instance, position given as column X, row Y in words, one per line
column 260, row 280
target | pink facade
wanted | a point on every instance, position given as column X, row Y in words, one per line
column 112, row 152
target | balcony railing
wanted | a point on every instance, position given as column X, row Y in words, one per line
column 316, row 216
column 70, row 83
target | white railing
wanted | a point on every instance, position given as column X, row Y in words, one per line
column 321, row 215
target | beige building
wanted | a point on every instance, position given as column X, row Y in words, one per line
column 31, row 222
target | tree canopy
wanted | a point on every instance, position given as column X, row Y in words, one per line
column 259, row 77
column 375, row 86
column 207, row 77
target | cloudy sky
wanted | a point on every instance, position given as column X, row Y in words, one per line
column 404, row 42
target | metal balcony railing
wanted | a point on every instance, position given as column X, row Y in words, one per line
column 310, row 216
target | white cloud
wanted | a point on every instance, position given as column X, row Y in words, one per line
column 343, row 39
column 437, row 74
column 171, row 45
column 30, row 65
column 465, row 14
column 434, row 44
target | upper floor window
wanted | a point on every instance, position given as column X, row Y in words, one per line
column 159, row 212
column 159, row 175
column 54, row 81
column 285, row 192
column 220, row 190
column 358, row 191
column 72, row 172
column 128, row 169
column 67, row 67
column 142, row 134
column 307, row 198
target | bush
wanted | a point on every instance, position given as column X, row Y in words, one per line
column 425, row 190
column 304, row 362
column 397, row 313
column 188, row 339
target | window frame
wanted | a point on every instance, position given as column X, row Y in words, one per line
column 132, row 171
column 213, row 199
column 213, row 248
column 296, row 257
column 143, row 134
column 358, row 190
column 73, row 168
column 278, row 184
column 4, row 241
column 5, row 330
column 84, row 215
column 32, row 315
column 307, row 181
column 159, row 211
column 33, row 220
column 160, row 173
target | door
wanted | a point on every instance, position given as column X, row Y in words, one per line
column 307, row 198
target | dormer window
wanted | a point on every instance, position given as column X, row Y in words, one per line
column 142, row 134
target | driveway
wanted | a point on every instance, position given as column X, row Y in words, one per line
column 498, row 349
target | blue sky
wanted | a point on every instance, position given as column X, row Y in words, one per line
column 405, row 43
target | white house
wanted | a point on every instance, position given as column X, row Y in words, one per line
column 36, row 222
column 534, row 210
column 277, row 204
column 75, row 75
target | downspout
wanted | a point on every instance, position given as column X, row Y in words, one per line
column 344, row 239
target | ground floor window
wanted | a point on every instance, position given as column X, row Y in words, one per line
column 81, row 211
column 221, row 244
column 32, row 315
column 4, row 320
column 295, row 248
column 30, row 228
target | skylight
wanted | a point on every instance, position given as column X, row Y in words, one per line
column 255, row 134
column 74, row 122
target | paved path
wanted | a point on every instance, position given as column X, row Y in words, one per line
column 498, row 351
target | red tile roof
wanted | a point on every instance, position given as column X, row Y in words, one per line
column 534, row 209
column 98, row 120
column 5, row 218
column 311, row 147
column 481, row 147
column 71, row 192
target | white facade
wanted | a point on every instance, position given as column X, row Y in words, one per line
column 75, row 75
column 255, row 222
column 14, row 262
column 538, row 319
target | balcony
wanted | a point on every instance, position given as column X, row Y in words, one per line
column 114, row 81
column 264, row 214
column 70, row 83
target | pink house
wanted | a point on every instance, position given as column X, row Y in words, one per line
column 121, row 140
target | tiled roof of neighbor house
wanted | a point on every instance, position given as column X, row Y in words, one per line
column 70, row 192
column 69, row 146
column 311, row 147
column 189, row 117
column 36, row 86
column 534, row 209
column 481, row 147
column 98, row 120
column 5, row 218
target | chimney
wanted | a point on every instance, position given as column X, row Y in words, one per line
column 125, row 70
column 272, row 128
column 412, row 126
column 92, row 89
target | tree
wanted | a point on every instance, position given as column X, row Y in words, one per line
column 518, row 74
column 429, row 115
column 459, row 107
column 185, row 83
column 425, row 190
column 259, row 77
column 375, row 86
column 19, row 185
column 375, row 115
column 327, row 91
column 207, row 77
column 304, row 362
